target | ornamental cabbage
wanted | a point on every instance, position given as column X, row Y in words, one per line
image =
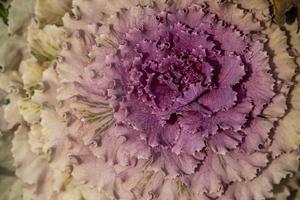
column 148, row 99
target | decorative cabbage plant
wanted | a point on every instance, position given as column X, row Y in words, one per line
column 148, row 100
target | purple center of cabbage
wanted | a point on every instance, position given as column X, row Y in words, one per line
column 185, row 77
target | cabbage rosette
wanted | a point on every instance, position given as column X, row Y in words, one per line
column 150, row 100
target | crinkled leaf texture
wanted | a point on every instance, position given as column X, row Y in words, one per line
column 150, row 99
